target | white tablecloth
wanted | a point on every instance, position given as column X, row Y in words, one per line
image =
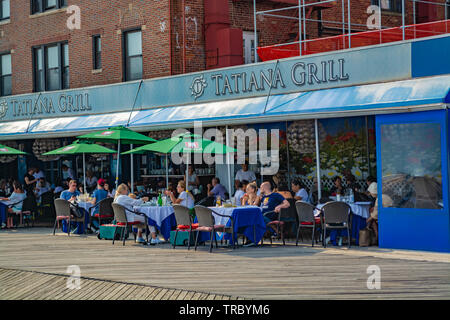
column 85, row 205
column 157, row 214
column 359, row 208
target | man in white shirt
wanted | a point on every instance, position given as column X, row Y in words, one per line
column 67, row 173
column 244, row 174
column 38, row 174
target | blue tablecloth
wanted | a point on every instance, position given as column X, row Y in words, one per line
column 247, row 221
column 81, row 225
column 358, row 223
column 168, row 224
column 3, row 212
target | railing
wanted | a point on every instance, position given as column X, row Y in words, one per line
column 360, row 39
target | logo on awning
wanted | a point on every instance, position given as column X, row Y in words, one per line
column 198, row 86
column 106, row 133
column 68, row 148
column 191, row 145
column 4, row 150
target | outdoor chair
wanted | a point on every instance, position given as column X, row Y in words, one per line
column 335, row 215
column 306, row 219
column 105, row 210
column 47, row 204
column 206, row 222
column 20, row 213
column 285, row 215
column 63, row 210
column 29, row 209
column 184, row 222
column 120, row 217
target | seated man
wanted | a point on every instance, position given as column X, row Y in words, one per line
column 216, row 189
column 271, row 202
column 71, row 195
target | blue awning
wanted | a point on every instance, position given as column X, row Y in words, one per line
column 346, row 101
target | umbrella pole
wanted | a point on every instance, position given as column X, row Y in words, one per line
column 228, row 164
column 187, row 172
column 132, row 171
column 167, row 172
column 117, row 168
column 84, row 172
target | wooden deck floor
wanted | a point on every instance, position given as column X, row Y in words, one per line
column 159, row 272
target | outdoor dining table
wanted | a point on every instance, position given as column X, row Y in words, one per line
column 161, row 217
column 3, row 210
column 248, row 221
column 359, row 214
column 85, row 206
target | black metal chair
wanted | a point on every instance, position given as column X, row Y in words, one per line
column 47, row 206
column 206, row 223
column 120, row 217
column 184, row 222
column 105, row 210
column 29, row 210
column 306, row 219
column 335, row 215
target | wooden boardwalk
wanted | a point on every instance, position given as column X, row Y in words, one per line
column 33, row 265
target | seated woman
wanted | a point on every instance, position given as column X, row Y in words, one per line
column 124, row 200
column 109, row 190
column 300, row 191
column 193, row 180
column 338, row 187
column 16, row 198
column 251, row 198
column 240, row 192
column 185, row 199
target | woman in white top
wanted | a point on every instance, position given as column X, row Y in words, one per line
column 15, row 198
column 185, row 199
column 129, row 203
column 300, row 192
column 193, row 179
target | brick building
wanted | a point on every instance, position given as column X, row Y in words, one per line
column 42, row 49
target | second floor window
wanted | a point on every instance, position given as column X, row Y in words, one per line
column 133, row 55
column 389, row 5
column 51, row 67
column 97, row 52
column 44, row 5
column 4, row 9
column 5, row 75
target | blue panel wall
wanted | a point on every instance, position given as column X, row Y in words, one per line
column 430, row 57
column 417, row 229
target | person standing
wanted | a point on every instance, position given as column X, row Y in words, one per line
column 67, row 173
column 30, row 182
column 38, row 174
column 244, row 174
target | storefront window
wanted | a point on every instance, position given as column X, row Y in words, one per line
column 411, row 165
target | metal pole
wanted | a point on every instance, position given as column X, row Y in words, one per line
column 187, row 171
column 343, row 24
column 414, row 12
column 167, row 171
column 118, row 162
column 367, row 145
column 319, row 187
column 288, row 160
column 255, row 30
column 349, row 25
column 304, row 21
column 84, row 172
column 403, row 19
column 300, row 26
column 132, row 170
column 379, row 11
column 228, row 161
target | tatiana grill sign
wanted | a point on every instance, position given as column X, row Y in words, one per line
column 300, row 74
column 50, row 104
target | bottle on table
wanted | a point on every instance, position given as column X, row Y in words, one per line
column 159, row 200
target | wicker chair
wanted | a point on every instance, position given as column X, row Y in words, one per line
column 306, row 219
column 336, row 215
column 184, row 222
column 206, row 222
column 64, row 212
column 120, row 217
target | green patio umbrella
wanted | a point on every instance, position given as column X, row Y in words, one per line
column 119, row 135
column 183, row 143
column 8, row 151
column 80, row 147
